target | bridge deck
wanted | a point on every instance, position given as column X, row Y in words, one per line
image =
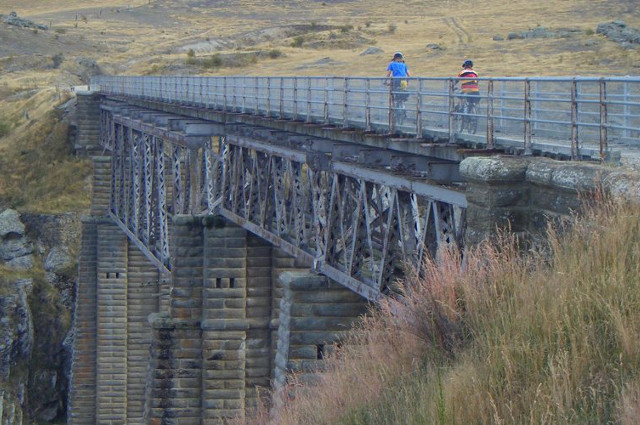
column 573, row 117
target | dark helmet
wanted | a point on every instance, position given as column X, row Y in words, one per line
column 467, row 64
column 398, row 55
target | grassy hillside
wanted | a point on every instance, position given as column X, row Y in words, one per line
column 284, row 37
column 39, row 172
column 133, row 36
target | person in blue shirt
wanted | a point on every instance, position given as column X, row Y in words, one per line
column 397, row 68
column 398, row 71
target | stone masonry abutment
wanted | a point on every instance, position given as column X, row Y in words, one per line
column 521, row 194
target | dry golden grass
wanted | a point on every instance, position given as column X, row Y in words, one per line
column 552, row 337
column 128, row 41
column 39, row 174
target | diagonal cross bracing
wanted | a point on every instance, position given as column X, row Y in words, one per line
column 357, row 224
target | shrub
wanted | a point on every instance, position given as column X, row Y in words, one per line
column 392, row 28
column 191, row 57
column 589, row 32
column 60, row 31
column 346, row 28
column 57, row 60
column 5, row 128
column 239, row 59
column 298, row 41
column 214, row 61
column 274, row 53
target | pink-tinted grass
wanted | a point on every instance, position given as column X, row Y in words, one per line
column 497, row 336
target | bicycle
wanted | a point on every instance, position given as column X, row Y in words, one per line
column 466, row 113
column 398, row 96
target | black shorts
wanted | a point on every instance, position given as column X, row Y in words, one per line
column 471, row 97
column 397, row 91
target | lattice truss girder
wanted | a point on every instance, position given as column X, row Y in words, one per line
column 359, row 232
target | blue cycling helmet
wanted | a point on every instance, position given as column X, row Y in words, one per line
column 467, row 64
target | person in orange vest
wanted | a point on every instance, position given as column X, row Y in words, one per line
column 469, row 83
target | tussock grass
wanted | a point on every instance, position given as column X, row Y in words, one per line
column 549, row 336
column 39, row 172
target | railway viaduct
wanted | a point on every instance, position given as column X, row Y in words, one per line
column 240, row 226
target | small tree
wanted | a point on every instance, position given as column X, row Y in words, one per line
column 5, row 127
column 57, row 59
column 297, row 42
column 191, row 57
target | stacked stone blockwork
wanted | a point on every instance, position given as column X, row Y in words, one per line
column 116, row 291
column 87, row 124
column 214, row 350
column 315, row 314
column 522, row 194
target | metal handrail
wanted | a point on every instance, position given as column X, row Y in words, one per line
column 576, row 113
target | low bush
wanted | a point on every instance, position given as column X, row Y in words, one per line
column 5, row 127
column 297, row 41
column 214, row 61
column 274, row 53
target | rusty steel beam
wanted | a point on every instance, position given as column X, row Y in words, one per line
column 359, row 224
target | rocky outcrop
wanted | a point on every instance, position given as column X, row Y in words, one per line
column 542, row 32
column 619, row 32
column 16, row 252
column 13, row 19
column 372, row 51
column 16, row 345
column 35, row 309
column 16, row 326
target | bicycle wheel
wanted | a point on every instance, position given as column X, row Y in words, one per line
column 473, row 119
column 463, row 119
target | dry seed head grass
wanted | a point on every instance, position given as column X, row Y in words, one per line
column 547, row 337
column 41, row 175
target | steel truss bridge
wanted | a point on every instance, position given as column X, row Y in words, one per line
column 358, row 214
column 358, row 225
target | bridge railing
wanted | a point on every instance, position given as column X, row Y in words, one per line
column 572, row 115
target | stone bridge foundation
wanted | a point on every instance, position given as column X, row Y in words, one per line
column 196, row 347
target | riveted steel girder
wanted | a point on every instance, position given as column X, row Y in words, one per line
column 358, row 222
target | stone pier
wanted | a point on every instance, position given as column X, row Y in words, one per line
column 216, row 347
column 314, row 314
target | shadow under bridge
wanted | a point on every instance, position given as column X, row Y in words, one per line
column 358, row 215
